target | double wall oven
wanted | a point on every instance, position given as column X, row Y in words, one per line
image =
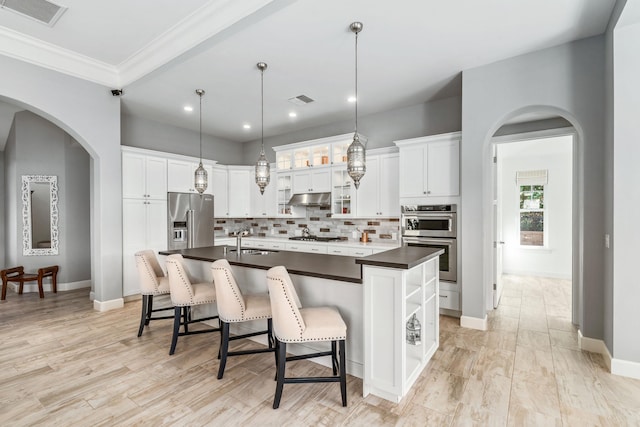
column 433, row 226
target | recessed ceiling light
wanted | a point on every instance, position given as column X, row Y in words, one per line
column 188, row 108
column 246, row 126
column 293, row 114
column 351, row 99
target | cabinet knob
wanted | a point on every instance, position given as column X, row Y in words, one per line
column 424, row 192
column 428, row 192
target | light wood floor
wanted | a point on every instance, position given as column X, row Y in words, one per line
column 62, row 363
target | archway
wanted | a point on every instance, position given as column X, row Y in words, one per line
column 88, row 113
column 550, row 113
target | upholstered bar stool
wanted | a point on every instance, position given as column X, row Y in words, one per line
column 185, row 295
column 153, row 282
column 293, row 324
column 234, row 307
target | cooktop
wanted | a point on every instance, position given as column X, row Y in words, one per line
column 314, row 238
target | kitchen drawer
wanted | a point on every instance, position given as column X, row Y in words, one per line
column 299, row 247
column 359, row 252
column 449, row 300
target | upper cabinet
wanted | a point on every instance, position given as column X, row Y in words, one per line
column 263, row 205
column 239, row 191
column 378, row 192
column 143, row 177
column 312, row 181
column 313, row 153
column 219, row 186
column 430, row 166
column 181, row 176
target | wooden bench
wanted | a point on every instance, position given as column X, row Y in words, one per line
column 17, row 275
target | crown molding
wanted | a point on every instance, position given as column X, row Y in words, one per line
column 204, row 23
column 35, row 51
column 201, row 25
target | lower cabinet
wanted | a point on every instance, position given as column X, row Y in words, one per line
column 305, row 247
column 144, row 226
column 391, row 298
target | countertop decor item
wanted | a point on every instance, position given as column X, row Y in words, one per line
column 356, row 157
column 263, row 172
column 201, row 179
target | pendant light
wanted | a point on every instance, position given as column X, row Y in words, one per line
column 356, row 157
column 262, row 165
column 201, row 180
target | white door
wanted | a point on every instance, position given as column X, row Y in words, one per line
column 498, row 240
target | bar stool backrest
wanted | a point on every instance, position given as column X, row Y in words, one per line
column 231, row 305
column 288, row 324
column 179, row 282
column 150, row 273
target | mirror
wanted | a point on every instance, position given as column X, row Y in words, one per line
column 39, row 215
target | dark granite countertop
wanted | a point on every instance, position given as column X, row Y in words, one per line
column 333, row 267
column 404, row 257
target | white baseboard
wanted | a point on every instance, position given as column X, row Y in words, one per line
column 108, row 305
column 48, row 287
column 474, row 323
column 625, row 368
column 595, row 346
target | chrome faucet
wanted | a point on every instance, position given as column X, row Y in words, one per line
column 239, row 235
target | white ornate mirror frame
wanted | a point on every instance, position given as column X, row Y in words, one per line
column 27, row 246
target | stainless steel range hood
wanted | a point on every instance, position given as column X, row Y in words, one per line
column 311, row 199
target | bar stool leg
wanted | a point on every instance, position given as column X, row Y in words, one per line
column 176, row 329
column 224, row 348
column 343, row 373
column 143, row 316
column 282, row 359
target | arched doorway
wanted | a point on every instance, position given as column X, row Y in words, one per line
column 535, row 121
column 88, row 113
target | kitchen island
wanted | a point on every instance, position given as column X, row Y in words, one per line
column 375, row 295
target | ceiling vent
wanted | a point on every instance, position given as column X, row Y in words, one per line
column 301, row 100
column 40, row 10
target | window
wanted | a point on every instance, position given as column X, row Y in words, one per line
column 532, row 208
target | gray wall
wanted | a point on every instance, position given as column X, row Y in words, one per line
column 42, row 148
column 626, row 197
column 566, row 80
column 10, row 193
column 91, row 115
column 382, row 128
column 2, row 214
column 144, row 133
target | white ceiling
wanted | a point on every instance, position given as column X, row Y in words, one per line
column 410, row 51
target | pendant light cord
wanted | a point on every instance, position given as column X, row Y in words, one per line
column 356, row 83
column 200, row 127
column 262, row 110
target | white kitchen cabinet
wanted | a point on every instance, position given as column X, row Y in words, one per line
column 391, row 298
column 430, row 166
column 239, row 191
column 343, row 193
column 378, row 192
column 143, row 176
column 306, row 247
column 219, row 186
column 349, row 251
column 263, row 205
column 312, row 180
column 144, row 226
column 181, row 176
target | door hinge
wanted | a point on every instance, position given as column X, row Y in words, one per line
column 495, row 287
column 495, row 159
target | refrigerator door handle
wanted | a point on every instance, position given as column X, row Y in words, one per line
column 190, row 227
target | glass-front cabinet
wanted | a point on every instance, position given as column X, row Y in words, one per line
column 343, row 194
column 284, row 160
column 339, row 152
column 320, row 154
column 285, row 185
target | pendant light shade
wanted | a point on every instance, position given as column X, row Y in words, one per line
column 263, row 170
column 356, row 156
column 201, row 178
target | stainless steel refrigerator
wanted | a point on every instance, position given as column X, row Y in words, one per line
column 190, row 220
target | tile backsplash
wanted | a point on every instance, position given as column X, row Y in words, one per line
column 319, row 222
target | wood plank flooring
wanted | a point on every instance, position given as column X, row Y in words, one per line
column 62, row 363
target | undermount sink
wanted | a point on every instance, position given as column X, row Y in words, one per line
column 253, row 251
